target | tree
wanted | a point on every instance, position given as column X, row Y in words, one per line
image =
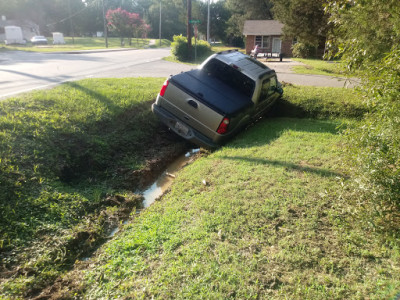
column 245, row 10
column 303, row 19
column 173, row 19
column 367, row 37
column 125, row 24
column 219, row 16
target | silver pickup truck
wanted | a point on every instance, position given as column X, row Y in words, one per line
column 210, row 104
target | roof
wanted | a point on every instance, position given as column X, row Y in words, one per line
column 262, row 27
column 19, row 23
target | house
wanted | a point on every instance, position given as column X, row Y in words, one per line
column 29, row 29
column 269, row 37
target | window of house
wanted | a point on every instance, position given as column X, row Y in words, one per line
column 2, row 30
column 262, row 41
column 258, row 40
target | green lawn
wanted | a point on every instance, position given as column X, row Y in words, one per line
column 66, row 155
column 319, row 67
column 82, row 43
column 274, row 219
column 272, row 222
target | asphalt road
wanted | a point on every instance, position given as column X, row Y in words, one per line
column 25, row 71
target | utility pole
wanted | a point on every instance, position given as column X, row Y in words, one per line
column 159, row 29
column 105, row 25
column 70, row 22
column 189, row 32
column 208, row 22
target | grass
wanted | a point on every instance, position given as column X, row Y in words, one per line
column 65, row 154
column 82, row 43
column 319, row 67
column 173, row 59
column 272, row 221
column 322, row 102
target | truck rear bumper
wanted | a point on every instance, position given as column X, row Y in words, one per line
column 181, row 128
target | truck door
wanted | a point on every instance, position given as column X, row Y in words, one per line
column 267, row 95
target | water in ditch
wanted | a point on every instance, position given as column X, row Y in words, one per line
column 164, row 181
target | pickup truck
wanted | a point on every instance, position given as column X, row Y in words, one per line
column 209, row 105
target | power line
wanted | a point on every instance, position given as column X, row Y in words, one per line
column 75, row 14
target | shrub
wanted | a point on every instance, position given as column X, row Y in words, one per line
column 301, row 50
column 372, row 49
column 377, row 140
column 180, row 48
column 203, row 49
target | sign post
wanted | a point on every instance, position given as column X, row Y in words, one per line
column 195, row 23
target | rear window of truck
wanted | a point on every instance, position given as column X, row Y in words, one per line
column 230, row 76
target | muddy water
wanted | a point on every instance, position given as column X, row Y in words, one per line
column 164, row 181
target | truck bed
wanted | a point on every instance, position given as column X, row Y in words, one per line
column 212, row 92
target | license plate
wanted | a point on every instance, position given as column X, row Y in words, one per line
column 182, row 129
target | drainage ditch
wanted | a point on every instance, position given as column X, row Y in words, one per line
column 161, row 184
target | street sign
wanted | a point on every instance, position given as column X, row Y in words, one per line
column 194, row 21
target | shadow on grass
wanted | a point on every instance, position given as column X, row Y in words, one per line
column 320, row 172
column 315, row 108
column 110, row 104
column 267, row 130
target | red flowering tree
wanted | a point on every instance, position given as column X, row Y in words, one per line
column 126, row 24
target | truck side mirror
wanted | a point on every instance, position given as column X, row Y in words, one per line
column 278, row 89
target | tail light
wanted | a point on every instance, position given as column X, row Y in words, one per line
column 223, row 127
column 164, row 88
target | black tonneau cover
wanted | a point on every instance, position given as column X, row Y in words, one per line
column 212, row 92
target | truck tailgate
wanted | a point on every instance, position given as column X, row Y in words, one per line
column 190, row 110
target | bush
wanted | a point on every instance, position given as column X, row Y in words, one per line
column 376, row 143
column 203, row 49
column 301, row 50
column 179, row 48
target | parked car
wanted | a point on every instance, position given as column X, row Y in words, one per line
column 39, row 40
column 209, row 105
